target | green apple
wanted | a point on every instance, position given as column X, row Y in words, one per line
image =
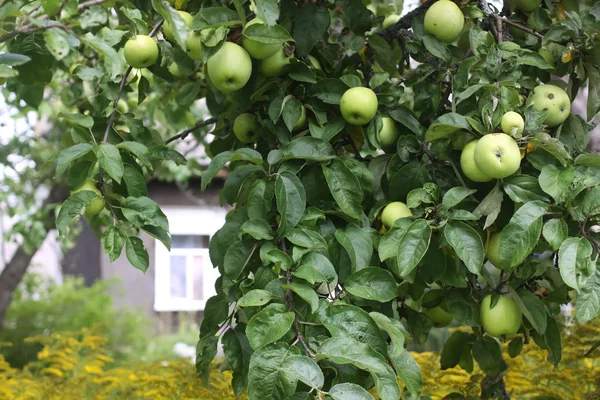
column 526, row 6
column 256, row 49
column 98, row 203
column 497, row 155
column 492, row 251
column 301, row 122
column 512, row 124
column 394, row 211
column 439, row 315
column 315, row 62
column 444, row 20
column 359, row 105
column 175, row 71
column 194, row 46
column 122, row 106
column 229, row 69
column 467, row 163
column 141, row 51
column 388, row 135
column 246, row 128
column 274, row 65
column 553, row 99
column 390, row 20
column 168, row 30
column 461, row 139
column 504, row 319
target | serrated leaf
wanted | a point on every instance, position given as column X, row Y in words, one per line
column 306, row 292
column 138, row 150
column 358, row 244
column 412, row 247
column 259, row 229
column 349, row 391
column 587, row 305
column 142, row 211
column 467, row 244
column 556, row 182
column 455, row 196
column 267, row 377
column 236, row 259
column 573, row 261
column 315, row 268
column 72, row 209
column 555, row 231
column 345, row 350
column 110, row 160
column 532, row 307
column 269, row 325
column 344, row 187
column 255, row 298
column 113, row 240
column 69, row 155
column 136, row 253
column 291, row 201
column 372, row 284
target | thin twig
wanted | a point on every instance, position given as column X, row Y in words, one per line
column 89, row 4
column 185, row 133
column 498, row 20
column 406, row 21
column 523, row 28
column 26, row 17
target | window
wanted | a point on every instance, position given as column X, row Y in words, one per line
column 185, row 277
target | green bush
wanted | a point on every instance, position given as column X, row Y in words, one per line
column 43, row 307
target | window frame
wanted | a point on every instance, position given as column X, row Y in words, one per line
column 186, row 221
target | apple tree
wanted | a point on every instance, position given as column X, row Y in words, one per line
column 387, row 174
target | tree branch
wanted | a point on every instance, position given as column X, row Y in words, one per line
column 521, row 27
column 185, row 133
column 405, row 22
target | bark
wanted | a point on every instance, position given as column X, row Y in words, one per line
column 13, row 272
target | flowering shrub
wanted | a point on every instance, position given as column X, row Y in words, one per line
column 75, row 365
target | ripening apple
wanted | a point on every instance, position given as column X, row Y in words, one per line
column 229, row 69
column 444, row 20
column 497, row 155
column 492, row 251
column 388, row 135
column 512, row 124
column 390, row 20
column 176, row 71
column 467, row 163
column 274, row 65
column 359, row 105
column 547, row 54
column 168, row 30
column 256, row 49
column 439, row 315
column 194, row 46
column 98, row 203
column 526, row 6
column 301, row 122
column 394, row 211
column 504, row 319
column 246, row 128
column 141, row 51
column 552, row 99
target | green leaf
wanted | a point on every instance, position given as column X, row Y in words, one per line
column 113, row 240
column 206, row 350
column 57, row 43
column 291, row 113
column 590, row 204
column 77, row 119
column 306, row 370
column 388, row 245
column 409, row 371
column 455, row 196
column 237, row 258
column 412, row 247
column 574, row 260
column 307, row 148
column 523, row 188
column 315, row 268
column 266, row 34
column 306, row 292
column 279, row 258
column 445, row 126
column 405, row 116
column 215, row 312
column 134, row 181
column 552, row 146
column 344, row 187
column 592, row 159
column 587, row 305
column 437, row 48
column 515, row 347
column 13, row 59
column 142, row 211
column 410, row 176
column 532, row 58
column 490, row 206
column 214, row 17
column 260, row 198
column 269, row 325
column 268, row 378
column 259, row 229
column 467, row 244
column 455, row 346
column 69, row 155
column 136, row 253
column 219, row 161
column 520, row 236
column 72, row 209
column 349, row 391
column 255, row 298
column 358, row 244
column 237, row 352
column 178, row 26
column 372, row 284
column 267, row 10
column 291, row 201
column 329, row 90
column 556, row 182
column 345, row 350
column 158, row 233
column 593, row 103
column 310, row 24
column 112, row 61
column 488, row 354
column 532, row 307
column 138, row 150
column 110, row 160
column 552, row 337
column 386, row 384
column 555, row 231
column 167, row 153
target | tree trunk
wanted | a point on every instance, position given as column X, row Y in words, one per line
column 13, row 272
